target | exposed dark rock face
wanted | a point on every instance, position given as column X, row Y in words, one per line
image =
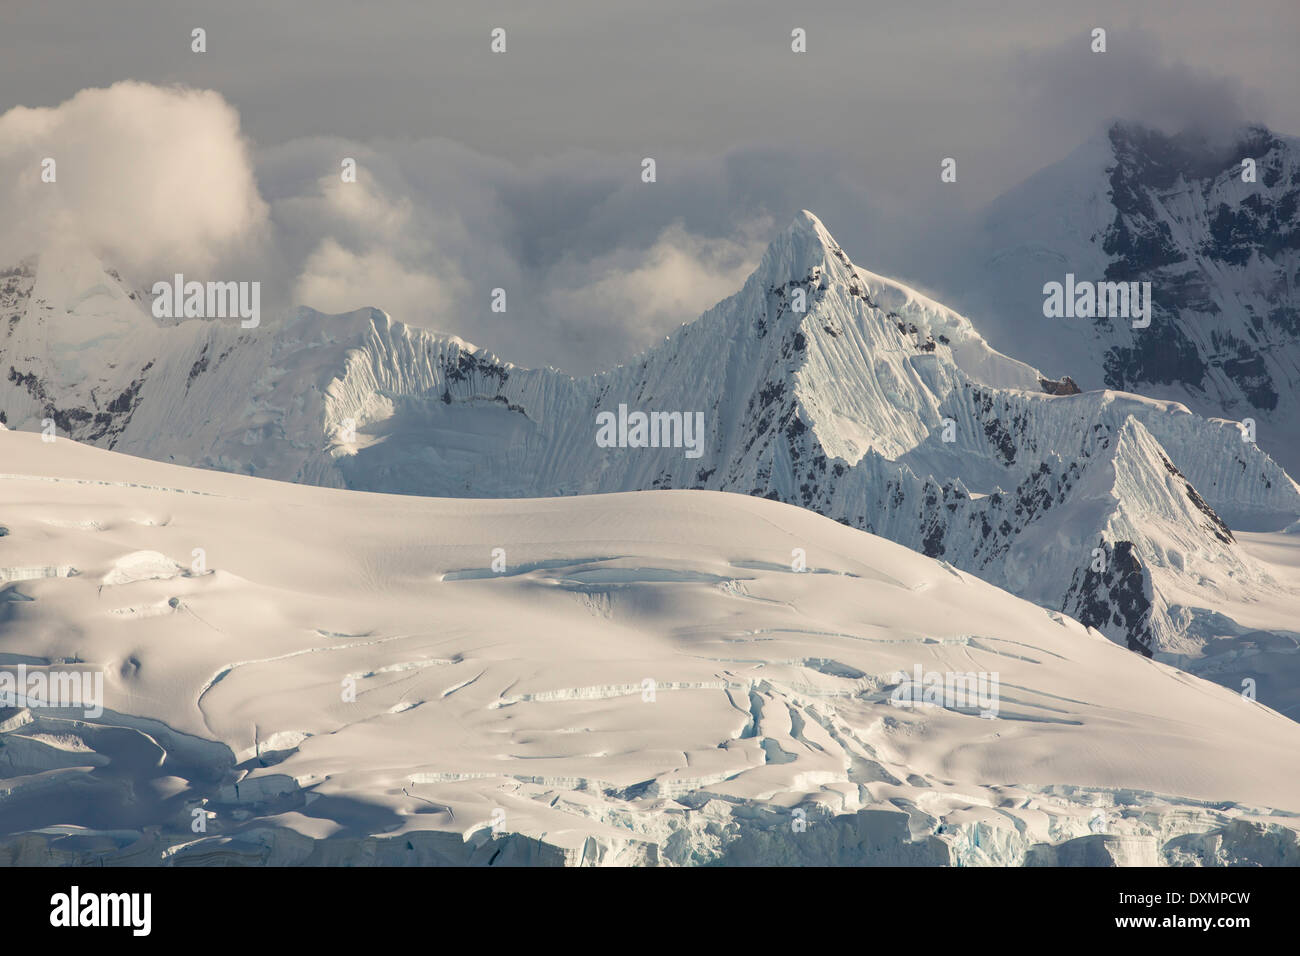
column 1063, row 386
column 1114, row 598
column 1212, row 225
column 1256, row 236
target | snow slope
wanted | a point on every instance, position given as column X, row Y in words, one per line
column 845, row 408
column 503, row 717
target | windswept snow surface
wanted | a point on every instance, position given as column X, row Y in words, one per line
column 641, row 678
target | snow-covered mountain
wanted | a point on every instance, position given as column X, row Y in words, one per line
column 296, row 675
column 1222, row 256
column 819, row 384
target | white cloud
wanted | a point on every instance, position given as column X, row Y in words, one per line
column 335, row 279
column 597, row 265
column 158, row 178
column 675, row 280
column 381, row 248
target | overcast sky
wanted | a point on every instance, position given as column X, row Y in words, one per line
column 522, row 170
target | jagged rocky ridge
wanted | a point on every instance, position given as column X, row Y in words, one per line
column 1107, row 505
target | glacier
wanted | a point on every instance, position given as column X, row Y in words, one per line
column 346, row 679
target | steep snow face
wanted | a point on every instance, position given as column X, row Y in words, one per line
column 72, row 336
column 323, row 676
column 1156, row 522
column 1222, row 256
column 817, row 384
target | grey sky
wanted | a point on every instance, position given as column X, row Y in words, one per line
column 522, row 169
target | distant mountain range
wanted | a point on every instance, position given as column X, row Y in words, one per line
column 820, row 384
